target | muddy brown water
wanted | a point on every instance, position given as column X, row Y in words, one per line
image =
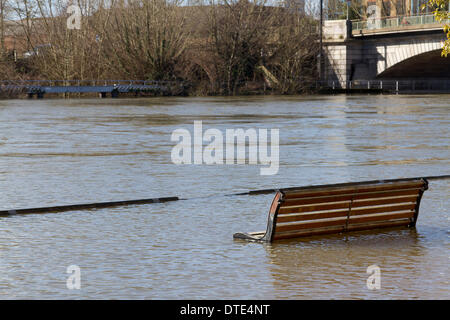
column 56, row 152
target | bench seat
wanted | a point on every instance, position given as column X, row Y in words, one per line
column 339, row 208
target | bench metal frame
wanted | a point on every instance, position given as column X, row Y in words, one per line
column 373, row 200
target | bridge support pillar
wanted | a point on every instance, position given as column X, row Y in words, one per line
column 347, row 58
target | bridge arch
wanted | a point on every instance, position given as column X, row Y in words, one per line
column 427, row 65
column 407, row 54
column 414, row 60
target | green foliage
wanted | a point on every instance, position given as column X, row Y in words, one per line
column 442, row 14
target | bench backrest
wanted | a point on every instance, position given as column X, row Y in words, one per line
column 340, row 208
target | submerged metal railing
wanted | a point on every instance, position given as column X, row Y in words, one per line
column 41, row 87
column 99, row 205
column 394, row 22
column 87, row 82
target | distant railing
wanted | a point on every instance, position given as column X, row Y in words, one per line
column 394, row 22
column 394, row 86
column 101, row 87
column 88, row 82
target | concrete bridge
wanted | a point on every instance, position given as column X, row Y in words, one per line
column 400, row 48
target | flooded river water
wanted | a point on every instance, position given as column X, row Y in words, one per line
column 55, row 152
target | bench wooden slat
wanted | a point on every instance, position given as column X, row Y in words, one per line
column 281, row 218
column 311, row 208
column 379, row 225
column 298, row 212
column 381, row 217
column 381, row 209
column 383, row 194
column 354, row 190
column 309, row 225
column 310, row 216
column 371, row 202
column 356, row 208
column 317, row 200
column 407, row 193
column 336, row 205
column 352, row 196
column 333, row 230
column 307, row 233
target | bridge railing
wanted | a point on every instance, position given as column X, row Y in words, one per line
column 393, row 22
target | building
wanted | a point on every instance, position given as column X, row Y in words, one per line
column 394, row 8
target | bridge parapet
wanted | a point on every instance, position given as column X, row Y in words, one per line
column 336, row 30
column 395, row 24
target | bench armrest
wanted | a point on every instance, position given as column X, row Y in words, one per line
column 253, row 236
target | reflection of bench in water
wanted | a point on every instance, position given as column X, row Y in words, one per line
column 306, row 211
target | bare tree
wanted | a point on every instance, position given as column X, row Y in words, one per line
column 225, row 44
column 145, row 38
column 293, row 62
column 239, row 33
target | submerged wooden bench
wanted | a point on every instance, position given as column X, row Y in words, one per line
column 338, row 208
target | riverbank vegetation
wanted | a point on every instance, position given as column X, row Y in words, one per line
column 224, row 47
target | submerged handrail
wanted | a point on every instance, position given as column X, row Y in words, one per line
column 99, row 205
